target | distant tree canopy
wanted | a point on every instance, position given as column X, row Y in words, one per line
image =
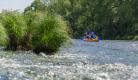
column 110, row 19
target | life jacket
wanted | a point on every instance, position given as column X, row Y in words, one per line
column 87, row 36
column 93, row 36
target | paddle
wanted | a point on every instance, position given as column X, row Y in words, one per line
column 90, row 32
column 100, row 38
column 82, row 38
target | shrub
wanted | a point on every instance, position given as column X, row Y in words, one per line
column 29, row 18
column 50, row 33
column 43, row 32
column 3, row 36
column 15, row 26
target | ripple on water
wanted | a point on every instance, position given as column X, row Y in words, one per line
column 105, row 60
column 62, row 67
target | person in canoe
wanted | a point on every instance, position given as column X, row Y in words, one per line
column 86, row 37
column 93, row 36
column 96, row 37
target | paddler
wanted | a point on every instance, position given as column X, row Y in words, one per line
column 86, row 37
column 92, row 35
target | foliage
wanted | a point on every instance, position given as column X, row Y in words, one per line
column 39, row 31
column 14, row 23
column 41, row 22
column 109, row 18
column 3, row 36
column 15, row 26
column 50, row 33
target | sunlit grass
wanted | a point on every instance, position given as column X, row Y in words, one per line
column 41, row 32
column 29, row 18
column 50, row 33
column 15, row 26
column 3, row 36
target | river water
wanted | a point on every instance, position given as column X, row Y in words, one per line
column 104, row 60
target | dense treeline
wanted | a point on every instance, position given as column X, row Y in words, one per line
column 37, row 31
column 110, row 19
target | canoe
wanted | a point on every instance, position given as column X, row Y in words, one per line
column 94, row 40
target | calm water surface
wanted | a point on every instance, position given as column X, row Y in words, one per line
column 104, row 60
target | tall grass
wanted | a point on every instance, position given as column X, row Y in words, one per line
column 42, row 31
column 15, row 26
column 50, row 33
column 29, row 17
column 3, row 36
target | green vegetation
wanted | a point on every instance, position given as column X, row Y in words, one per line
column 29, row 18
column 15, row 26
column 110, row 19
column 37, row 31
column 3, row 36
column 50, row 33
column 46, row 25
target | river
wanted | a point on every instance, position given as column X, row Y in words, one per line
column 104, row 60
